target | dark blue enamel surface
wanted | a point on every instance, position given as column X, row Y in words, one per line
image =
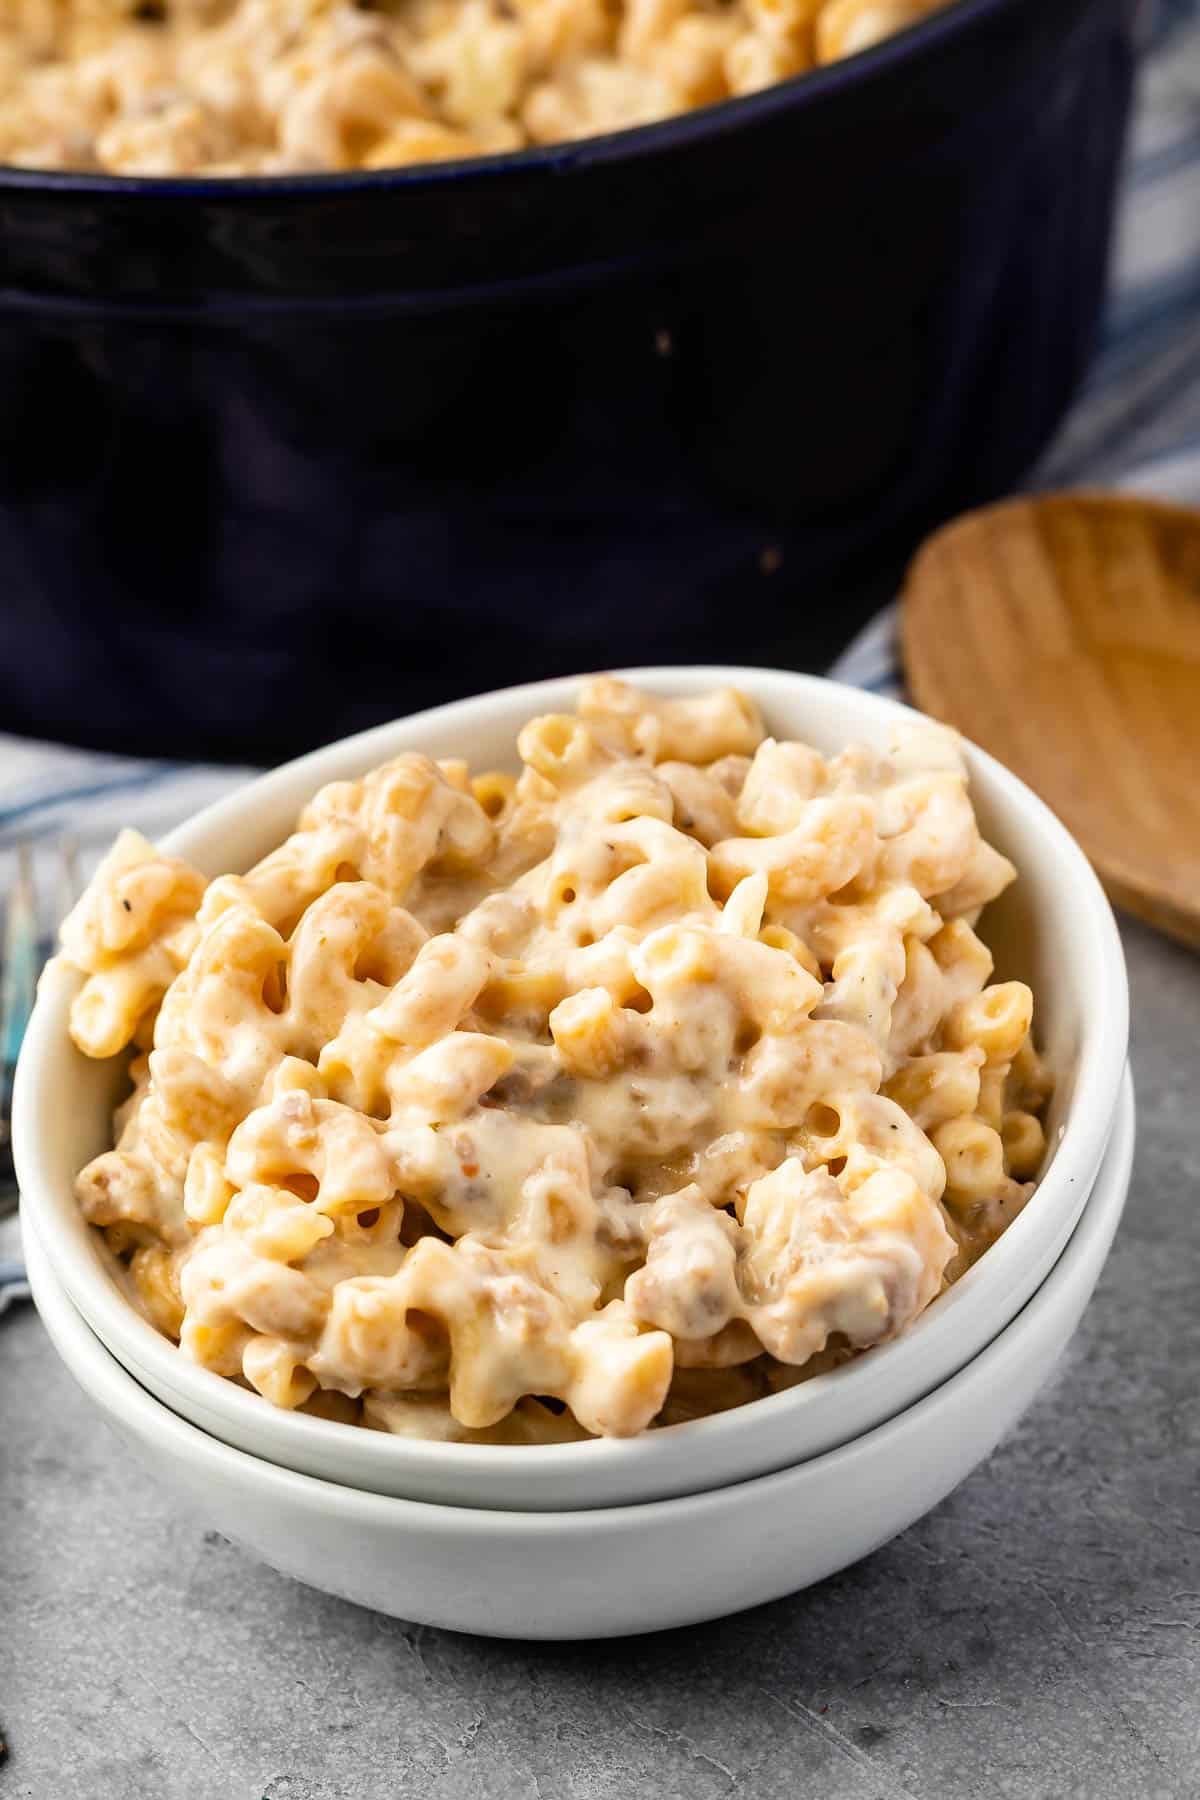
column 282, row 459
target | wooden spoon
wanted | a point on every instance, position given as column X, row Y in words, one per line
column 1063, row 634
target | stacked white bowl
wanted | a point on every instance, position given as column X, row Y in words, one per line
column 684, row 1523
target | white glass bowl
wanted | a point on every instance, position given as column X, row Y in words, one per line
column 1054, row 928
column 618, row 1569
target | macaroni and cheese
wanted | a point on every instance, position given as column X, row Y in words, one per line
column 521, row 1107
column 233, row 87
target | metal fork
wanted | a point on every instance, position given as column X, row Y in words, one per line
column 29, row 927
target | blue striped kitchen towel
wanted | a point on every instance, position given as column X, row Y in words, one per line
column 1136, row 425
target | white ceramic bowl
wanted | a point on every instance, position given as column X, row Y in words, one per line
column 1054, row 928
column 618, row 1569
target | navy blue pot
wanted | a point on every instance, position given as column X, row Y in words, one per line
column 285, row 458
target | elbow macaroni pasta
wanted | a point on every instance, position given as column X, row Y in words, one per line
column 232, row 87
column 521, row 1109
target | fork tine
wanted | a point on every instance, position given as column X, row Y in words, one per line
column 20, row 959
column 23, row 951
column 69, row 884
column 18, row 983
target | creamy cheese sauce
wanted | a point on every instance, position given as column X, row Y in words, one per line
column 534, row 1107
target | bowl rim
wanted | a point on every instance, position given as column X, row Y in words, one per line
column 621, row 146
column 1089, row 1242
column 1077, row 1156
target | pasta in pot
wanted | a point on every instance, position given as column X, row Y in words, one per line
column 523, row 1109
column 230, row 87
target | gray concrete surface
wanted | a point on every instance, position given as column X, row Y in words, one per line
column 1036, row 1636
